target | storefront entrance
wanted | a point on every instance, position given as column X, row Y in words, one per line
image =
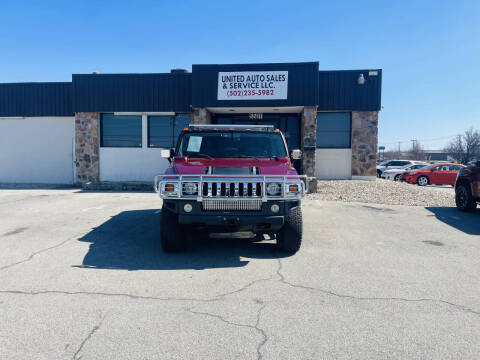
column 289, row 125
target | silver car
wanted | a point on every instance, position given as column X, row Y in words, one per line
column 397, row 174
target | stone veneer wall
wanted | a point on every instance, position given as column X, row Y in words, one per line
column 201, row 116
column 86, row 147
column 309, row 144
column 364, row 143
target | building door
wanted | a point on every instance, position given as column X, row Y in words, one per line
column 289, row 125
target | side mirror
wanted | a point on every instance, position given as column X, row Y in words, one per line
column 168, row 154
column 296, row 154
column 165, row 154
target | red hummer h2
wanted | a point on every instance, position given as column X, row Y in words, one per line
column 467, row 187
column 229, row 178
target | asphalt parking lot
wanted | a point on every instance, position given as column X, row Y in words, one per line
column 82, row 275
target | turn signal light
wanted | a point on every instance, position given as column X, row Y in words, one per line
column 293, row 188
column 169, row 187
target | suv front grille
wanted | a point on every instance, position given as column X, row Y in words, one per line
column 231, row 189
column 237, row 204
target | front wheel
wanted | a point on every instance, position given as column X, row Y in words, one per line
column 422, row 181
column 172, row 235
column 289, row 238
column 464, row 199
column 397, row 177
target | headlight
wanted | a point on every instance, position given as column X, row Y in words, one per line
column 274, row 189
column 190, row 188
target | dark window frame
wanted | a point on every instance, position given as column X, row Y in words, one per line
column 116, row 146
column 172, row 135
column 350, row 130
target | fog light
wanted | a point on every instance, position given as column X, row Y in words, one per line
column 275, row 208
column 187, row 207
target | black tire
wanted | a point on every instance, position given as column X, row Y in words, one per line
column 421, row 180
column 289, row 238
column 172, row 234
column 379, row 173
column 464, row 199
column 397, row 177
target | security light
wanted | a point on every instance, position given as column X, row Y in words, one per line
column 361, row 79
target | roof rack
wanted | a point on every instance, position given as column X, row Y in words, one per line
column 232, row 127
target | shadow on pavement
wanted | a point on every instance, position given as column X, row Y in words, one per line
column 131, row 241
column 469, row 223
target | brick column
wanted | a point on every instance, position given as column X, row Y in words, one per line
column 309, row 143
column 364, row 144
column 201, row 116
column 86, row 147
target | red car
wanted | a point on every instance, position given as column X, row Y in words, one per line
column 435, row 174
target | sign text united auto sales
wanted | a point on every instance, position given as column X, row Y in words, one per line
column 252, row 85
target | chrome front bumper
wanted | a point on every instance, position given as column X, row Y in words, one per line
column 224, row 187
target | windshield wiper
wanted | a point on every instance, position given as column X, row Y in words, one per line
column 246, row 156
column 200, row 155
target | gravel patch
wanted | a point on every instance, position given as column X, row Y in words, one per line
column 383, row 192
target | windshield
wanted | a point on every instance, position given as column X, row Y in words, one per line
column 230, row 144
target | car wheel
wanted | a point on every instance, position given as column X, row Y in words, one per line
column 397, row 177
column 423, row 180
column 464, row 199
column 172, row 234
column 289, row 238
column 379, row 173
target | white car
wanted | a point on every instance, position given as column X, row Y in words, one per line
column 397, row 174
column 392, row 164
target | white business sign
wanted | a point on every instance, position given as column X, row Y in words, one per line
column 253, row 85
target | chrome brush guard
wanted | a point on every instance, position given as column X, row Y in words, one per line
column 222, row 187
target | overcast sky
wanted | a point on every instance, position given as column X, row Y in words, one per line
column 429, row 50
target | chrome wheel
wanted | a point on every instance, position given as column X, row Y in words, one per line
column 397, row 177
column 422, row 181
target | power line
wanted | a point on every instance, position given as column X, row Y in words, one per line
column 421, row 140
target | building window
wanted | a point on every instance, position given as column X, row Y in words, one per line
column 334, row 130
column 163, row 131
column 120, row 131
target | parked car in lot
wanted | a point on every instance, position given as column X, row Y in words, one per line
column 435, row 174
column 467, row 187
column 392, row 164
column 397, row 174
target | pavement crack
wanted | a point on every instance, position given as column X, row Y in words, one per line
column 29, row 258
column 262, row 332
column 87, row 338
column 94, row 293
column 362, row 298
column 243, row 288
column 253, row 327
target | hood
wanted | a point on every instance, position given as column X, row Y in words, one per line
column 266, row 166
